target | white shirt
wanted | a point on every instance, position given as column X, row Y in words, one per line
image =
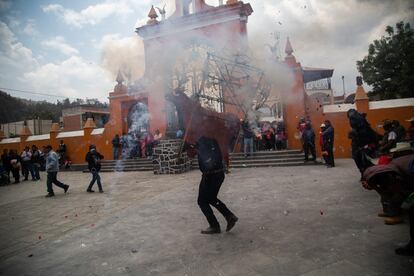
column 392, row 136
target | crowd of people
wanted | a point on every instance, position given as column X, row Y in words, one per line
column 273, row 136
column 27, row 163
column 263, row 136
column 386, row 165
column 135, row 144
column 16, row 165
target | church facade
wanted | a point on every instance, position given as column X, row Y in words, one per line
column 197, row 50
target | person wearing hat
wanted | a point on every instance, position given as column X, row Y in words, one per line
column 401, row 149
column 94, row 165
column 395, row 183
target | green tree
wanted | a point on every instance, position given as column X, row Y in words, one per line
column 389, row 65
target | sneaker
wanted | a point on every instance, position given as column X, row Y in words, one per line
column 407, row 250
column 50, row 195
column 66, row 188
column 101, row 191
column 393, row 220
column 90, row 191
column 211, row 230
column 231, row 221
column 384, row 215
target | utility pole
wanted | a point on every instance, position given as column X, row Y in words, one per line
column 343, row 84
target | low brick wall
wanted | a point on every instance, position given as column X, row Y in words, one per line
column 167, row 158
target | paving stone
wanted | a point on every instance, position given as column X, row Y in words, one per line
column 307, row 221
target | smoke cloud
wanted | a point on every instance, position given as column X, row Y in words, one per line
column 183, row 64
column 124, row 54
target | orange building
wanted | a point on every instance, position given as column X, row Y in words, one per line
column 193, row 29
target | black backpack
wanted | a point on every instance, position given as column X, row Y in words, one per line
column 209, row 155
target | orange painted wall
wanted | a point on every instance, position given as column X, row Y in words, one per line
column 77, row 147
column 340, row 123
column 294, row 103
column 11, row 146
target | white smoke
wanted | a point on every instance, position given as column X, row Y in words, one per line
column 125, row 54
column 164, row 59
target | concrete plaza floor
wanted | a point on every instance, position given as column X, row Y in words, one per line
column 293, row 221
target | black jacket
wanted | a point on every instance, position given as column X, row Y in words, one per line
column 308, row 136
column 328, row 135
column 94, row 160
column 35, row 157
column 247, row 132
column 209, row 155
column 5, row 158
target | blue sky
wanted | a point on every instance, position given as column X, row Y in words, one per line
column 74, row 48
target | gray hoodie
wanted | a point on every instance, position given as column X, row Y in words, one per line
column 52, row 162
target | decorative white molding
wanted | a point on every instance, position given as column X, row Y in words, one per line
column 391, row 103
column 10, row 140
column 168, row 28
column 332, row 108
column 97, row 131
column 38, row 137
column 68, row 134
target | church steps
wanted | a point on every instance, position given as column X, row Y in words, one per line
column 237, row 160
column 267, row 156
column 281, row 164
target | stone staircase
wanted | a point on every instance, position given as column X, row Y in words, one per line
column 282, row 158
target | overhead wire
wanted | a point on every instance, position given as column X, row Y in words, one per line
column 5, row 89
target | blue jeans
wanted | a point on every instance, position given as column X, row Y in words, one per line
column 116, row 153
column 52, row 179
column 95, row 178
column 27, row 167
column 36, row 168
column 248, row 146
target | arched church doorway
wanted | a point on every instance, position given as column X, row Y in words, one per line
column 138, row 118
